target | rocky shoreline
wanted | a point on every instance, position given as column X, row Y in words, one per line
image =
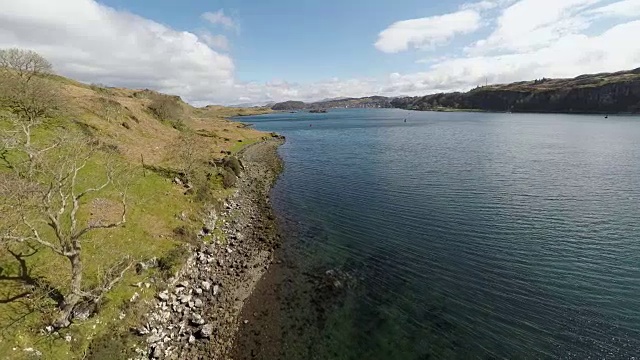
column 197, row 316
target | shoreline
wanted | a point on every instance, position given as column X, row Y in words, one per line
column 198, row 315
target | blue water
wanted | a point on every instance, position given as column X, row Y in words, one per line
column 465, row 235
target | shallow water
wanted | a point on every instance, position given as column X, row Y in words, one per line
column 465, row 235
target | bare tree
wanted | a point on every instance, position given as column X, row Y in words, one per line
column 189, row 154
column 50, row 220
column 29, row 97
column 26, row 64
column 110, row 108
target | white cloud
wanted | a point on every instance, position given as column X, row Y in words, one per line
column 531, row 24
column 219, row 18
column 625, row 8
column 427, row 32
column 215, row 41
column 530, row 39
column 94, row 43
column 569, row 56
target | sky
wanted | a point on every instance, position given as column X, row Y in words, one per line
column 256, row 51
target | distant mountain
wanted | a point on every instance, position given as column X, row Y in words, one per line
column 605, row 93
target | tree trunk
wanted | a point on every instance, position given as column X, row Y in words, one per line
column 70, row 301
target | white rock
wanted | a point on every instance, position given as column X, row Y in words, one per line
column 154, row 338
column 216, row 289
column 206, row 330
column 206, row 285
column 197, row 319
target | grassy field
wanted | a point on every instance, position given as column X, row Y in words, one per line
column 161, row 217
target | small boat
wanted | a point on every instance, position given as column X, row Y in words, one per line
column 405, row 120
column 606, row 116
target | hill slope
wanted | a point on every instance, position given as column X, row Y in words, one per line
column 152, row 148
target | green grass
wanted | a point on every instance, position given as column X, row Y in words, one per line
column 153, row 205
column 238, row 146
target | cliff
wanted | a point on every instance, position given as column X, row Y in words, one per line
column 604, row 93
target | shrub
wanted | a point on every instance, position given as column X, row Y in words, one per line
column 173, row 260
column 232, row 163
column 228, row 178
column 166, row 108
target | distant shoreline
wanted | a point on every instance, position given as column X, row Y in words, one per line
column 605, row 93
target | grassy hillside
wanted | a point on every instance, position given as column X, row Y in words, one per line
column 148, row 153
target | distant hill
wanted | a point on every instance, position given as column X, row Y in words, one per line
column 289, row 105
column 365, row 102
column 604, row 93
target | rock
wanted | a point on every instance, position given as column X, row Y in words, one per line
column 196, row 319
column 206, row 331
column 216, row 289
column 134, row 297
column 206, row 285
column 192, row 339
column 198, row 303
column 157, row 352
column 67, row 338
column 34, row 351
column 185, row 298
column 164, row 296
column 178, row 181
column 198, row 291
column 154, row 339
column 142, row 330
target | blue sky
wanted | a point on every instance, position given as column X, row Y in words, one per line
column 299, row 40
column 258, row 51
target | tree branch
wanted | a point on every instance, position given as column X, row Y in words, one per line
column 36, row 237
column 111, row 279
